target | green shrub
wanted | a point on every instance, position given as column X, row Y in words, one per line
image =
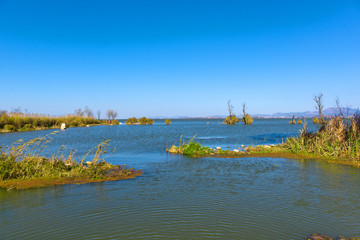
column 195, row 149
column 299, row 121
column 316, row 120
column 167, row 121
column 131, row 121
column 248, row 120
column 115, row 122
column 74, row 124
column 231, row 120
column 9, row 127
column 142, row 121
column 28, row 127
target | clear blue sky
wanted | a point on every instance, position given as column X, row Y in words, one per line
column 171, row 58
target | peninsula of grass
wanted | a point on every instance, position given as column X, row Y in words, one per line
column 11, row 122
column 22, row 166
column 337, row 141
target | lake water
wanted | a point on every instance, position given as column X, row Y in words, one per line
column 185, row 198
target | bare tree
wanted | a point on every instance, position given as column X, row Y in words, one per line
column 114, row 115
column 230, row 108
column 319, row 106
column 244, row 112
column 344, row 112
column 109, row 114
column 98, row 114
column 88, row 112
column 16, row 110
column 79, row 112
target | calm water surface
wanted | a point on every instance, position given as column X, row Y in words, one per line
column 184, row 198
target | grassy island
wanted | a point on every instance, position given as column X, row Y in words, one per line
column 338, row 141
column 140, row 121
column 22, row 166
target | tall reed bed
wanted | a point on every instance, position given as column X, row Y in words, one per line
column 339, row 137
column 26, row 122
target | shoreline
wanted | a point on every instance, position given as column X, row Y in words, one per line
column 20, row 184
column 276, row 153
column 55, row 128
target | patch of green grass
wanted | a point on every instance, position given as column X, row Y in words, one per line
column 23, row 161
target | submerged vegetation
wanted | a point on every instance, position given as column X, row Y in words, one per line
column 23, row 166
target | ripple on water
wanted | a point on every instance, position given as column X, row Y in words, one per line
column 184, row 198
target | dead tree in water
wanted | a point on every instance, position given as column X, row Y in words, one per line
column 230, row 109
column 244, row 113
column 319, row 106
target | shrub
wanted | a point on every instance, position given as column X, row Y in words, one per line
column 167, row 121
column 337, row 138
column 132, row 121
column 316, row 120
column 248, row 118
column 115, row 122
column 9, row 127
column 28, row 127
column 195, row 149
column 142, row 121
column 299, row 121
column 74, row 124
column 231, row 120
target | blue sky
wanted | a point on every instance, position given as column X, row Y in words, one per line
column 178, row 58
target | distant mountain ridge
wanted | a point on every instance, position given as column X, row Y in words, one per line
column 327, row 112
column 308, row 114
